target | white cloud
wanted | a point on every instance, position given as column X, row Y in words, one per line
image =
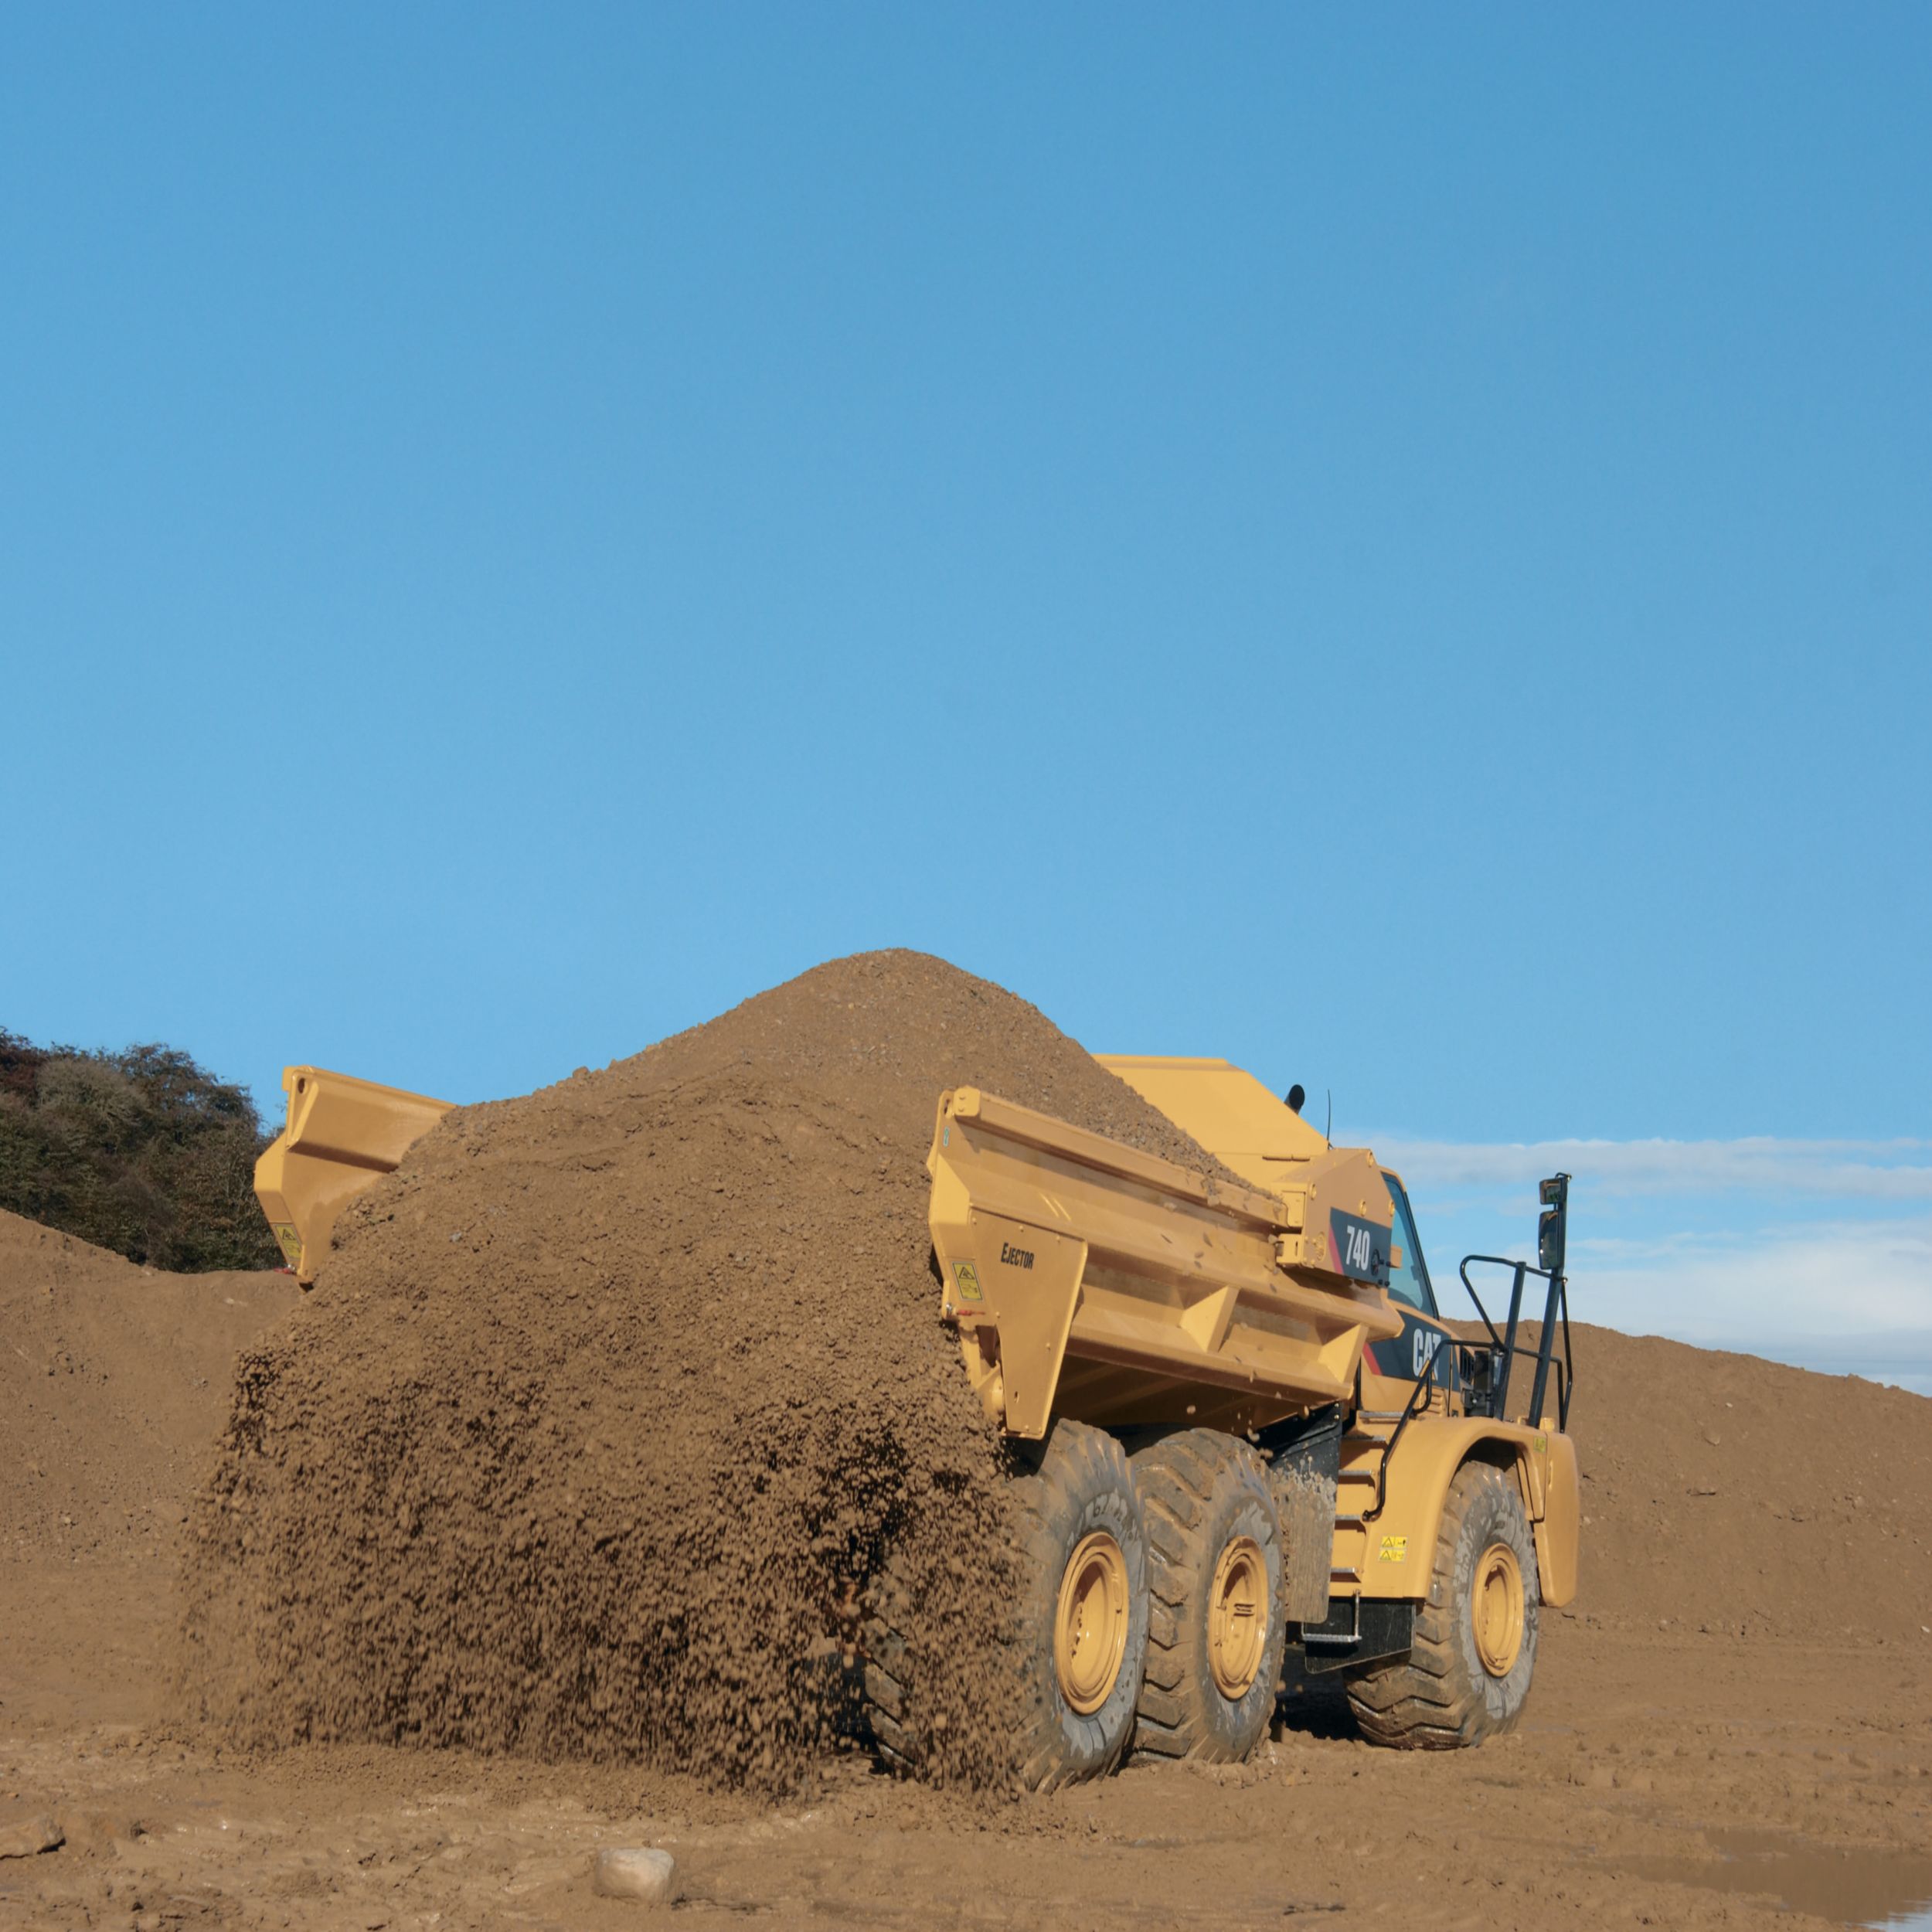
column 1826, row 1287
column 1813, row 1252
column 1845, row 1170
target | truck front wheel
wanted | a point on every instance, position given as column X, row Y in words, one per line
column 1467, row 1676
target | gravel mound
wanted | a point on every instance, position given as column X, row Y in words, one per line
column 614, row 1402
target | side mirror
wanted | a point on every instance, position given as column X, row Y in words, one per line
column 1552, row 1232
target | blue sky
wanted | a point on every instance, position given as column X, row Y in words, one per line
column 1392, row 550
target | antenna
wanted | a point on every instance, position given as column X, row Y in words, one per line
column 1327, row 1133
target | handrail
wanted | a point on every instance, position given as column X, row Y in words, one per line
column 1555, row 1311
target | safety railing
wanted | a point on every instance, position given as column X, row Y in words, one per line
column 1505, row 1348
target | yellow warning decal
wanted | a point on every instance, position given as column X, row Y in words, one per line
column 967, row 1277
column 1395, row 1550
column 291, row 1242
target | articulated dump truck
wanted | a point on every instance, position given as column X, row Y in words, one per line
column 343, row 1135
column 1250, row 1450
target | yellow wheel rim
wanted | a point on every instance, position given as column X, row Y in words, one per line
column 1238, row 1616
column 1496, row 1609
column 1090, row 1627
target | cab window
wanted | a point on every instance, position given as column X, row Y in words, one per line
column 1409, row 1284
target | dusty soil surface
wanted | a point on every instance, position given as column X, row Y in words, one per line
column 110, row 1378
column 108, row 1375
column 1660, row 1779
column 1735, row 1719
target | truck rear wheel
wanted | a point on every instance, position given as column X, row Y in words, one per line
column 1216, row 1623
column 1467, row 1676
column 1067, row 1690
column 1083, row 1610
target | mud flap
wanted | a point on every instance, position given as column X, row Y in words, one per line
column 1305, row 1462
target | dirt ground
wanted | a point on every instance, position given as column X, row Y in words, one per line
column 1678, row 1780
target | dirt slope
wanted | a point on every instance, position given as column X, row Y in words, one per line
column 615, row 1399
column 113, row 1382
column 1727, row 1494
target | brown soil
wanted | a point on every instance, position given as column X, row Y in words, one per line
column 615, row 1400
column 109, row 1375
column 1733, row 1719
column 1726, row 1495
column 113, row 1381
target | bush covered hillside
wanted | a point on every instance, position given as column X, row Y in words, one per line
column 142, row 1151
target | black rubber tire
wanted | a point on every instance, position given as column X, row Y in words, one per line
column 1439, row 1697
column 1200, row 1491
column 882, row 1687
column 1081, row 1484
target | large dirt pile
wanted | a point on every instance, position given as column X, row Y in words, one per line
column 1732, row 1494
column 614, row 1399
column 113, row 1381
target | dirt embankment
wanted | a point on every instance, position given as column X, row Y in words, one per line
column 113, row 1379
column 1723, row 1494
column 615, row 1399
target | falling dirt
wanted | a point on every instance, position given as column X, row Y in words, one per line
column 1730, row 1726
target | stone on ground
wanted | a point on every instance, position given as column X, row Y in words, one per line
column 24, row 1833
column 641, row 1873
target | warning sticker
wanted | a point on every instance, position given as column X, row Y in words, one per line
column 291, row 1242
column 967, row 1277
column 1395, row 1550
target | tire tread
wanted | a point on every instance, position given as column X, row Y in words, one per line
column 1178, row 1479
column 1428, row 1700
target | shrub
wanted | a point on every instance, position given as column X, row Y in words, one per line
column 142, row 1151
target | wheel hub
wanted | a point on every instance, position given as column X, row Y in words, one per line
column 1237, row 1617
column 1090, row 1627
column 1496, row 1609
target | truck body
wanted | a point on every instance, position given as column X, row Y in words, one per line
column 343, row 1135
column 1090, row 1281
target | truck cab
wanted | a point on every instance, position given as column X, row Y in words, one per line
column 1425, row 1405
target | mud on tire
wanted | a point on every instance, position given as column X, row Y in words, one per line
column 1467, row 1676
column 1080, row 1620
column 1080, row 1499
column 1216, row 1621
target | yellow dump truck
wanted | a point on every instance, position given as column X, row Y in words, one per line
column 1245, row 1434
column 1254, row 1430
